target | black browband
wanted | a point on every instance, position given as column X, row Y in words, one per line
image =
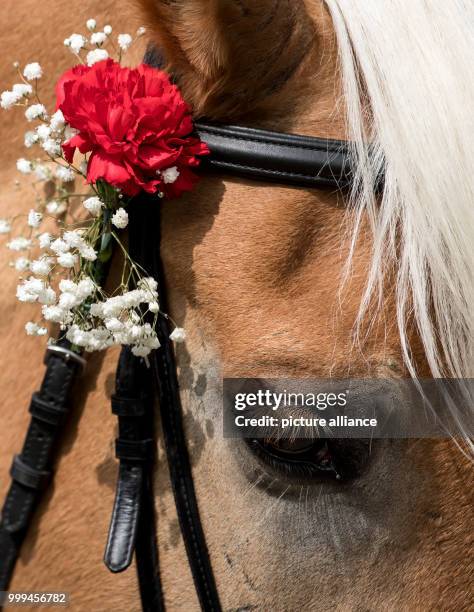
column 241, row 151
column 275, row 156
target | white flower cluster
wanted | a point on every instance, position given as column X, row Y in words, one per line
column 94, row 43
column 5, row 226
column 120, row 218
column 71, row 296
column 19, row 92
column 32, row 71
column 65, row 251
column 33, row 329
column 94, row 205
column 50, row 133
column 120, row 322
column 90, row 325
column 96, row 55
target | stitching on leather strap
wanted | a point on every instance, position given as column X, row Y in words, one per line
column 270, row 172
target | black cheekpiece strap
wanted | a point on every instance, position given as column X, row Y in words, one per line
column 31, row 470
column 144, row 227
column 133, row 522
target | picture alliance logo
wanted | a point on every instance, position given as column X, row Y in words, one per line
column 274, row 401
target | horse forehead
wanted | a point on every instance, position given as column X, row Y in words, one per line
column 247, row 262
column 261, row 238
column 221, row 211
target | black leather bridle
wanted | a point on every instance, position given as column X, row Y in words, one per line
column 245, row 152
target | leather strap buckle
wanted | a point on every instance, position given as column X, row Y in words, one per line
column 28, row 476
column 66, row 354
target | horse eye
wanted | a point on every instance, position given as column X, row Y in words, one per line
column 312, row 459
column 289, row 446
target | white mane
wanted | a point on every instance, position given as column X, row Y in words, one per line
column 413, row 62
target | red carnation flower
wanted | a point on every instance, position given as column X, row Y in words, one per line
column 135, row 125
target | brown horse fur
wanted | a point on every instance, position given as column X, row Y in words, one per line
column 253, row 273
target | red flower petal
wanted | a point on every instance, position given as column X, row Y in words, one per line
column 80, row 142
column 107, row 167
column 133, row 122
column 69, row 76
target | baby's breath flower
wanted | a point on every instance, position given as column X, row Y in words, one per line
column 141, row 30
column 97, row 310
column 59, row 246
column 22, row 89
column 43, row 131
column 52, row 147
column 30, row 290
column 8, row 99
column 91, row 24
column 178, row 335
column 44, row 240
column 19, row 244
column 86, row 287
column 66, row 285
column 88, row 253
column 22, row 264
column 124, row 41
column 33, row 329
column 170, row 175
column 55, row 208
column 67, row 301
column 66, row 175
column 108, row 29
column 120, row 218
column 36, row 111
column 93, row 205
column 73, row 238
column 153, row 307
column 42, row 267
column 43, row 173
column 5, row 226
column 67, row 260
column 56, row 314
column 34, row 218
column 114, row 324
column 24, row 296
column 23, row 165
column 57, row 121
column 96, row 55
column 47, row 296
column 148, row 283
column 32, row 71
column 75, row 42
column 141, row 351
column 98, row 38
column 31, row 138
column 75, row 241
column 90, row 340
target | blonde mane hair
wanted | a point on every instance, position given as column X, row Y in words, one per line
column 411, row 64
